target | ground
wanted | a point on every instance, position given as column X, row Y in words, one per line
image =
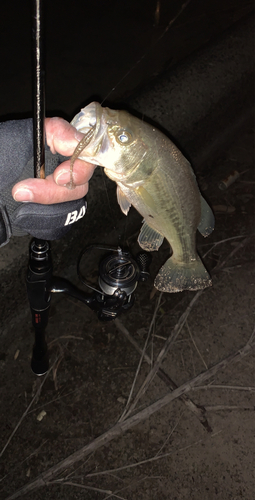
column 170, row 455
column 86, row 393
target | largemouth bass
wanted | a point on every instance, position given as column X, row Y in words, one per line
column 153, row 176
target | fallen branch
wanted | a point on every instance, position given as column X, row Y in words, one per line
column 198, row 411
column 46, row 477
column 172, row 337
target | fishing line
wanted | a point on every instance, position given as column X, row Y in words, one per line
column 183, row 7
column 171, row 22
column 113, row 214
column 120, row 237
column 124, row 242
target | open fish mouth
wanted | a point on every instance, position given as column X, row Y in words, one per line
column 97, row 118
column 94, row 115
column 87, row 118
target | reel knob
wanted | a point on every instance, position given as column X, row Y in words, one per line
column 143, row 260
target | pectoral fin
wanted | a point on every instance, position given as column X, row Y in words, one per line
column 149, row 239
column 206, row 225
column 123, row 201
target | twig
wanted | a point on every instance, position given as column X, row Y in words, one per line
column 147, row 460
column 142, row 462
column 129, row 423
column 77, row 485
column 28, row 408
column 195, row 345
column 219, row 266
column 229, row 408
column 131, row 485
column 35, row 452
column 172, row 337
column 228, row 387
column 72, row 474
column 198, row 411
column 55, row 369
column 141, row 358
column 58, row 398
column 65, row 337
column 115, row 496
column 169, row 435
column 216, row 243
column 109, row 493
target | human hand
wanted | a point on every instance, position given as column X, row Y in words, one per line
column 61, row 137
column 51, row 208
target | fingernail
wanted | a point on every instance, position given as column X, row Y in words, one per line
column 23, row 194
column 78, row 135
column 62, row 178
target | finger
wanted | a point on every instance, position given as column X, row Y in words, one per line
column 82, row 172
column 46, row 191
column 61, row 136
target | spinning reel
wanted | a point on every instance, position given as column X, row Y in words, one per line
column 119, row 274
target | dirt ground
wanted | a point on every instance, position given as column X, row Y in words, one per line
column 169, row 455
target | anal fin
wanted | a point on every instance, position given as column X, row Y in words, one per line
column 149, row 239
column 206, row 224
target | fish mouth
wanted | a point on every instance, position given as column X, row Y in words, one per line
column 93, row 116
column 88, row 117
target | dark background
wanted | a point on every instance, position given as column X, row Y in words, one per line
column 95, row 47
column 91, row 48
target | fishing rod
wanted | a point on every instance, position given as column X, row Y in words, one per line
column 119, row 272
column 40, row 263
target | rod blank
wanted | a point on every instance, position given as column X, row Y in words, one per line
column 38, row 90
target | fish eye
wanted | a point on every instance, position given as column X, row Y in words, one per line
column 123, row 137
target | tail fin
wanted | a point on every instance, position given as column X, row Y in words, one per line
column 175, row 276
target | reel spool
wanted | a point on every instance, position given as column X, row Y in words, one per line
column 118, row 272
